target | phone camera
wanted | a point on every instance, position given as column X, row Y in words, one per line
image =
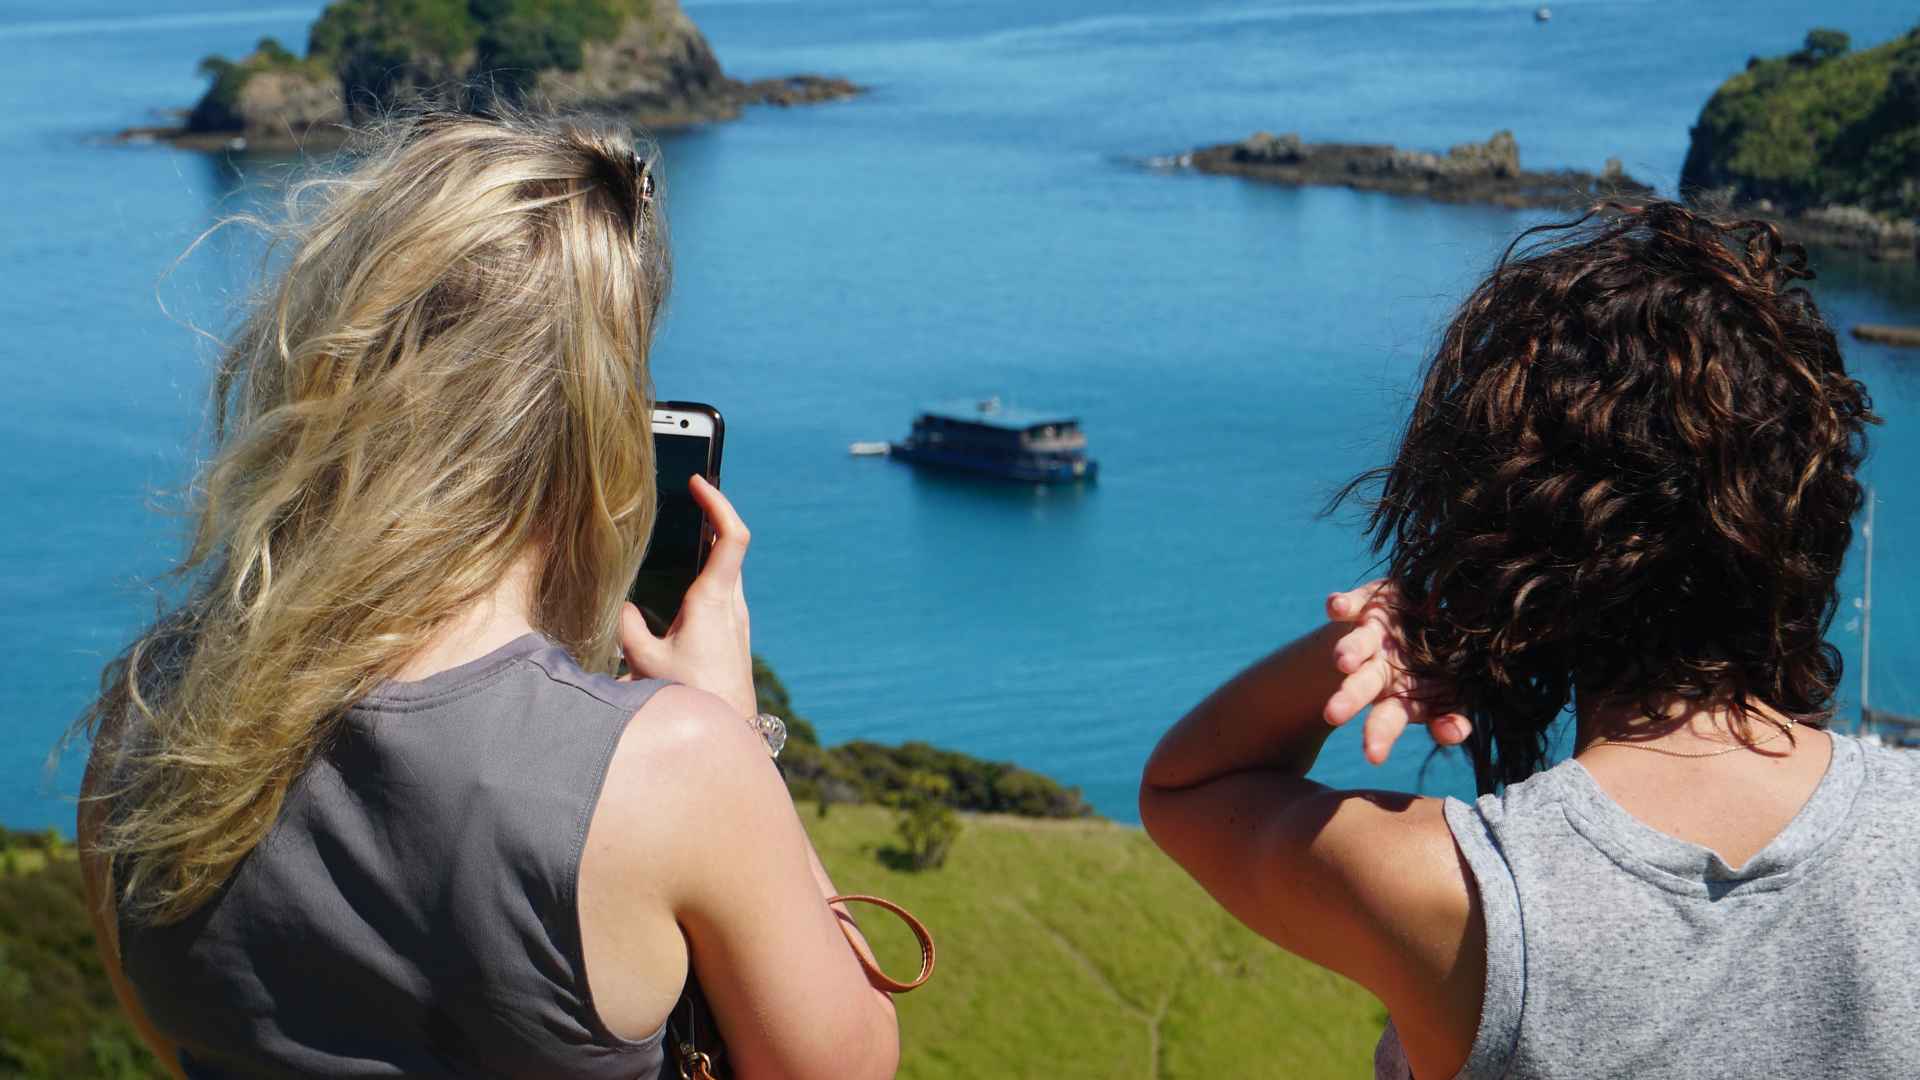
column 683, row 423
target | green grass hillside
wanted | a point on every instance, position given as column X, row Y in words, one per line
column 1067, row 949
column 1075, row 949
column 1820, row 125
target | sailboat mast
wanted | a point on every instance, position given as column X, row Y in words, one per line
column 1866, row 624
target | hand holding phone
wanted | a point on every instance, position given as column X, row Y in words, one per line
column 706, row 642
column 687, row 441
column 709, row 646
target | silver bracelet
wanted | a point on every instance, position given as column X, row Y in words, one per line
column 772, row 729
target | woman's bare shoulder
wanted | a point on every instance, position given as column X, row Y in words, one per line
column 684, row 765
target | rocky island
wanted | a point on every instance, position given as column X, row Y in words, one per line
column 1823, row 140
column 644, row 60
column 1486, row 172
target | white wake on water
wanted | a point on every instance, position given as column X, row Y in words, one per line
column 132, row 23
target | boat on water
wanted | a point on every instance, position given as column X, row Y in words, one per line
column 986, row 437
column 1543, row 14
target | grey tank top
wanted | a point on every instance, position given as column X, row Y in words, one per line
column 413, row 911
column 1616, row 950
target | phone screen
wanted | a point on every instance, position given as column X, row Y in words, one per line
column 678, row 546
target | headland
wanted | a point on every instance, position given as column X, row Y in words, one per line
column 1824, row 141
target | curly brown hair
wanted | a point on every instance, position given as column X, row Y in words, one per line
column 1629, row 478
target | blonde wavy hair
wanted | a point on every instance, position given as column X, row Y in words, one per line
column 449, row 372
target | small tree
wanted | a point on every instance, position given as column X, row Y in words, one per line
column 927, row 826
column 1825, row 44
column 270, row 50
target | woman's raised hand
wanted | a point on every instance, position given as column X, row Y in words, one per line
column 708, row 647
column 1369, row 655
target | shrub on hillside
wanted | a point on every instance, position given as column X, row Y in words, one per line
column 927, row 824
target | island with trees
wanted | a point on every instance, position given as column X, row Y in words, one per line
column 643, row 60
column 1825, row 140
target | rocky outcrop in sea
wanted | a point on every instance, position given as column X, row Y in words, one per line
column 657, row 72
column 1488, row 172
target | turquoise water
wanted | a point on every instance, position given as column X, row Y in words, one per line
column 979, row 224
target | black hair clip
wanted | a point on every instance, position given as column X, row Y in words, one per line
column 646, row 179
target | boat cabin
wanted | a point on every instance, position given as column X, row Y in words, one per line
column 993, row 439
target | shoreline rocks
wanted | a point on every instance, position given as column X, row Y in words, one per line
column 1487, row 173
column 331, row 130
column 1905, row 337
column 1850, row 228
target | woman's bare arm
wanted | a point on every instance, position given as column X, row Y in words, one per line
column 695, row 830
column 695, row 847
column 1365, row 883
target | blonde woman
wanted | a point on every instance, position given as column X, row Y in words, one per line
column 367, row 802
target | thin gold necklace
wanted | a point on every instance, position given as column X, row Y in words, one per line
column 1784, row 729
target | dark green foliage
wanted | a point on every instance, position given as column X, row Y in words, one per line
column 386, row 49
column 861, row 771
column 1820, row 125
column 1823, row 45
column 58, row 1016
column 521, row 38
column 774, row 699
column 869, row 772
column 47, row 841
column 972, row 784
column 1903, row 91
column 383, row 50
column 272, row 52
column 438, row 30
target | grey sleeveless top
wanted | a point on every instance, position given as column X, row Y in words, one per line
column 1615, row 950
column 413, row 911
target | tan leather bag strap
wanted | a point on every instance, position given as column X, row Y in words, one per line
column 920, row 932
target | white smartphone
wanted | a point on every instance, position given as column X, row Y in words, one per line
column 687, row 438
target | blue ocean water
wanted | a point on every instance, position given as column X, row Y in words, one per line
column 978, row 224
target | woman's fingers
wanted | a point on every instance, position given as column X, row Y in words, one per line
column 1451, row 729
column 709, row 645
column 1358, row 646
column 730, row 537
column 1358, row 690
column 1385, row 724
column 1348, row 606
column 637, row 642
